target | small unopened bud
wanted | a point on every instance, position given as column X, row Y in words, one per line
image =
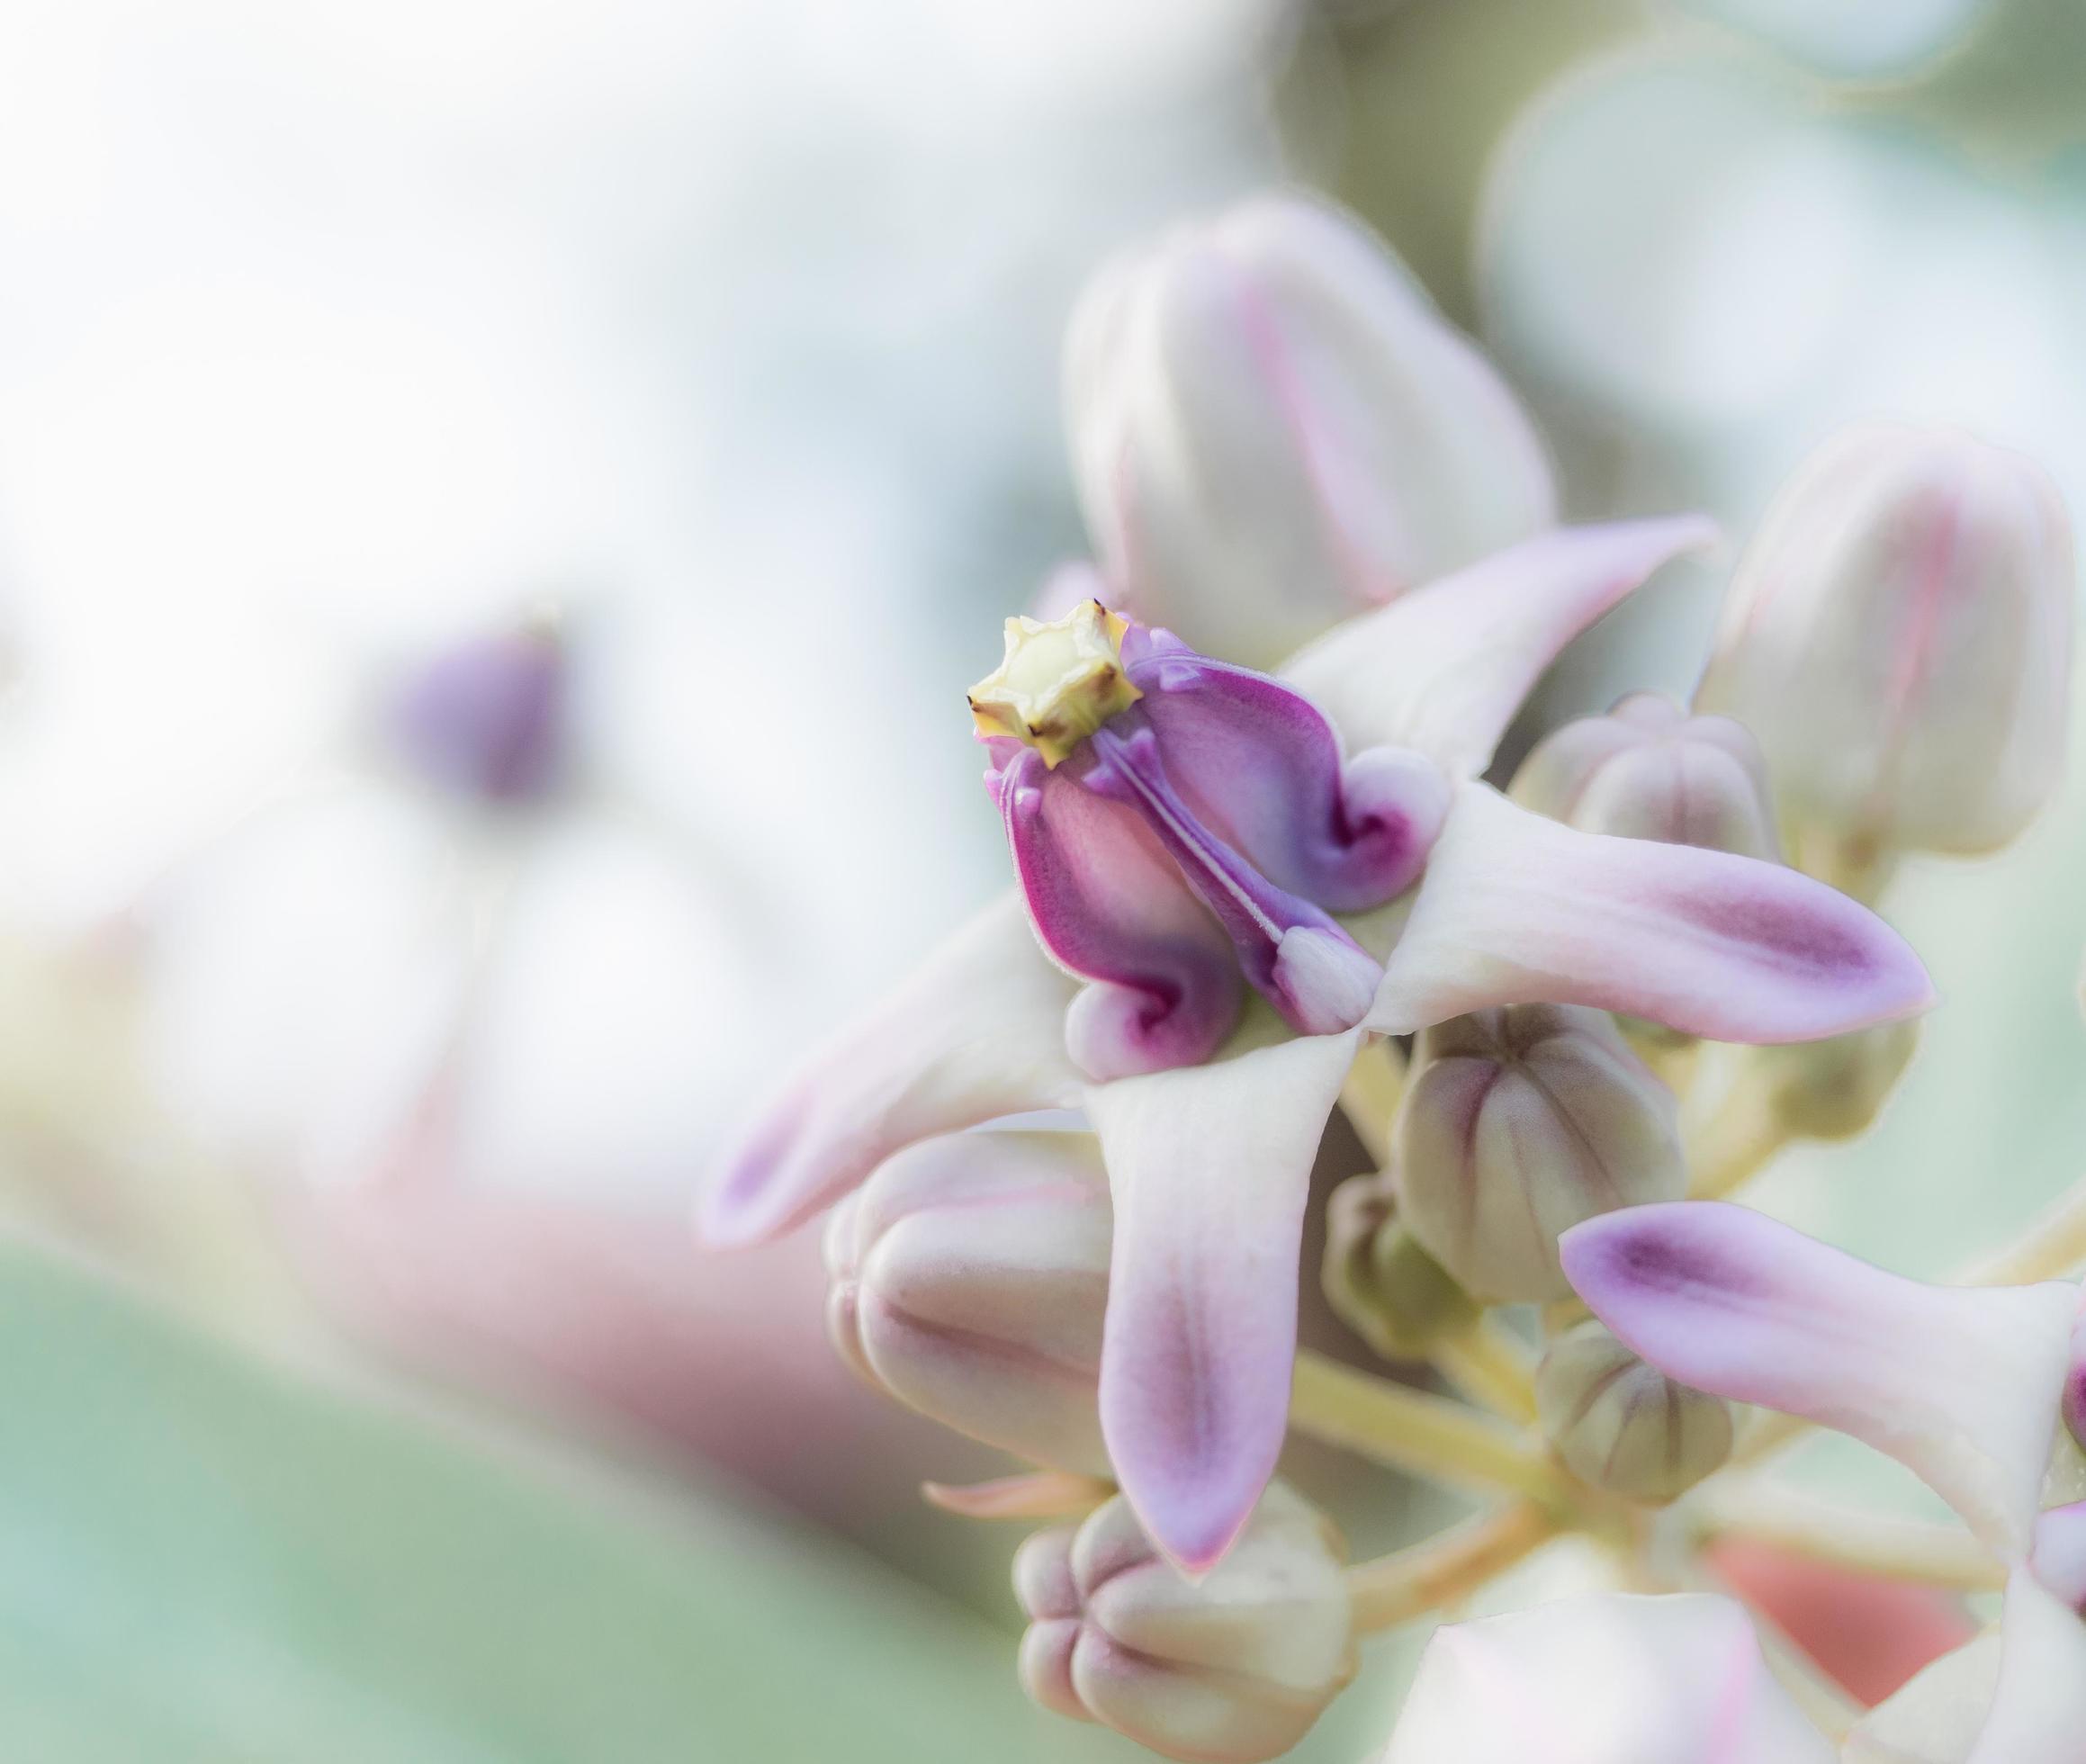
column 1381, row 1281
column 1833, row 1089
column 1519, row 1123
column 1899, row 638
column 1647, row 769
column 1620, row 1425
column 484, row 719
column 1272, row 428
column 968, row 1279
column 1227, row 1670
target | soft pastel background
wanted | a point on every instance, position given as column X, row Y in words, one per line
column 363, row 1396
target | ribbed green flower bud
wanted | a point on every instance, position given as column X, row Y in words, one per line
column 1620, row 1425
column 1832, row 1089
column 1227, row 1670
column 1519, row 1123
column 1380, row 1279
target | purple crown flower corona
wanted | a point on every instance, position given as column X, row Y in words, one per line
column 1256, row 876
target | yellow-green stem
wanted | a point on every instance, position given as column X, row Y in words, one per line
column 1896, row 1549
column 1444, row 1570
column 2053, row 1246
column 1489, row 1365
column 1418, row 1432
column 1727, row 1145
column 1369, row 1098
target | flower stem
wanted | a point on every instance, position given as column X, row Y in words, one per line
column 1370, row 1096
column 2052, row 1247
column 1446, row 1570
column 1418, row 1432
column 1489, row 1364
column 1820, row 1531
column 1728, row 1141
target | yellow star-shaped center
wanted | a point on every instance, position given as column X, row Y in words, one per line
column 1057, row 683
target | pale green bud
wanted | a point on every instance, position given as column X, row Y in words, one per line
column 1379, row 1278
column 1519, row 1123
column 1620, row 1425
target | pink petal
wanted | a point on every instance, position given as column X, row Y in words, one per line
column 1960, row 1385
column 977, row 1031
column 1444, row 668
column 1517, row 909
column 1210, row 1167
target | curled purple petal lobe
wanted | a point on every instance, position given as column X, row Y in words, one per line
column 1210, row 1169
column 1263, row 766
column 976, row 1032
column 1203, row 828
column 1515, row 908
column 1109, row 903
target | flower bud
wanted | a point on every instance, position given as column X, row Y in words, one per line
column 1230, row 1669
column 1898, row 637
column 1379, row 1279
column 1520, row 1123
column 485, row 717
column 969, row 1275
column 1650, row 770
column 1271, row 428
column 1832, row 1089
column 1623, row 1426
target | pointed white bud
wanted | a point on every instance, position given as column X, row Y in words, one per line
column 1272, row 428
column 1898, row 637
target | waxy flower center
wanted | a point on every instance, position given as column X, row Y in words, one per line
column 1059, row 682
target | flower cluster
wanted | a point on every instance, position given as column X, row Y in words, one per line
column 1259, row 877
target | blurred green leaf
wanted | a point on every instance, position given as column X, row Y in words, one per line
column 205, row 1558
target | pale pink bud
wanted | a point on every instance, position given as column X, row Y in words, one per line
column 1272, row 428
column 1227, row 1669
column 1650, row 770
column 968, row 1279
column 1899, row 638
column 1519, row 1123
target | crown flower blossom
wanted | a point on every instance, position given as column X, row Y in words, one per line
column 1234, row 880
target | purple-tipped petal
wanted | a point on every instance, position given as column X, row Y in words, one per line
column 1210, row 1167
column 1443, row 668
column 1515, row 908
column 1110, row 903
column 977, row 1031
column 1260, row 765
column 1960, row 1385
column 2039, row 1713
